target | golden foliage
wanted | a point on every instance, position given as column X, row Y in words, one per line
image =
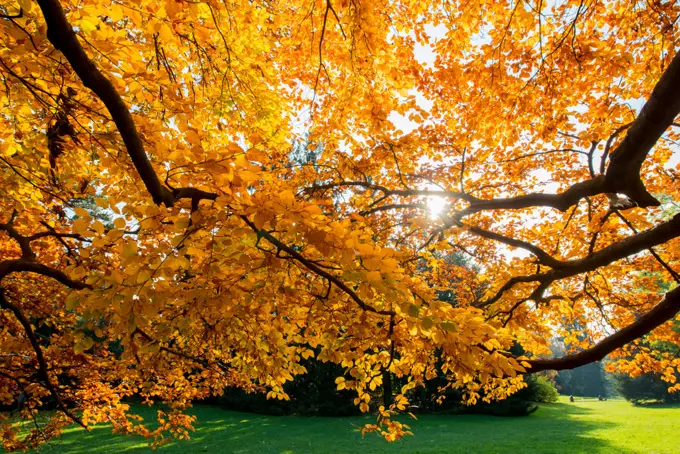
column 201, row 193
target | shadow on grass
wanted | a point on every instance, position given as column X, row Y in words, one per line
column 553, row 428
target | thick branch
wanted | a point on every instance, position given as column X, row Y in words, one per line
column 28, row 266
column 64, row 39
column 662, row 312
column 24, row 242
column 543, row 257
column 624, row 248
column 657, row 115
column 623, row 174
column 656, row 256
column 75, row 236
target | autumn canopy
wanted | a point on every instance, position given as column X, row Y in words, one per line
column 196, row 194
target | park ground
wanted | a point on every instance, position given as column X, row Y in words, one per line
column 613, row 426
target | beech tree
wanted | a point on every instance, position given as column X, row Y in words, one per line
column 543, row 131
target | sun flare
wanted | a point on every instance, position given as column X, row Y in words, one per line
column 435, row 206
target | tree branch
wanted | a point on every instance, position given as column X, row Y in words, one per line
column 624, row 248
column 314, row 268
column 657, row 115
column 543, row 257
column 662, row 312
column 63, row 38
column 29, row 266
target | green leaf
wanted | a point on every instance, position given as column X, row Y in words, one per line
column 449, row 326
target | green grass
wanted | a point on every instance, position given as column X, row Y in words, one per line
column 613, row 426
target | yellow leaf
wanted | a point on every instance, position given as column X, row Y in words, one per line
column 313, row 210
column 143, row 276
column 364, row 249
column 98, row 227
column 78, row 348
column 165, row 32
column 389, row 265
column 115, row 12
column 287, row 198
column 87, row 342
column 87, row 26
column 81, row 212
column 129, row 249
column 255, row 138
column 72, row 301
column 373, row 276
column 449, row 326
column 81, row 226
column 256, row 155
column 247, row 176
column 26, row 5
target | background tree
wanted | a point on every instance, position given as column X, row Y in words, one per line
column 547, row 128
column 587, row 381
column 645, row 388
column 649, row 379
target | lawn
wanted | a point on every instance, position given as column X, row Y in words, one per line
column 613, row 426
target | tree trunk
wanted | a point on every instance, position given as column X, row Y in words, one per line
column 387, row 388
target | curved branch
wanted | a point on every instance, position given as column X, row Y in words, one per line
column 623, row 174
column 396, row 206
column 662, row 312
column 397, row 192
column 657, row 115
column 543, row 257
column 608, row 145
column 624, row 248
column 28, row 266
column 64, row 39
column 24, row 242
column 651, row 250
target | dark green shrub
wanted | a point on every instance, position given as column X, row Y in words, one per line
column 312, row 394
column 645, row 388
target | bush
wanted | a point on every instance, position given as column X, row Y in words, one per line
column 646, row 387
column 544, row 391
column 522, row 403
column 312, row 394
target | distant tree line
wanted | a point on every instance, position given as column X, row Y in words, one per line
column 315, row 394
column 592, row 380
